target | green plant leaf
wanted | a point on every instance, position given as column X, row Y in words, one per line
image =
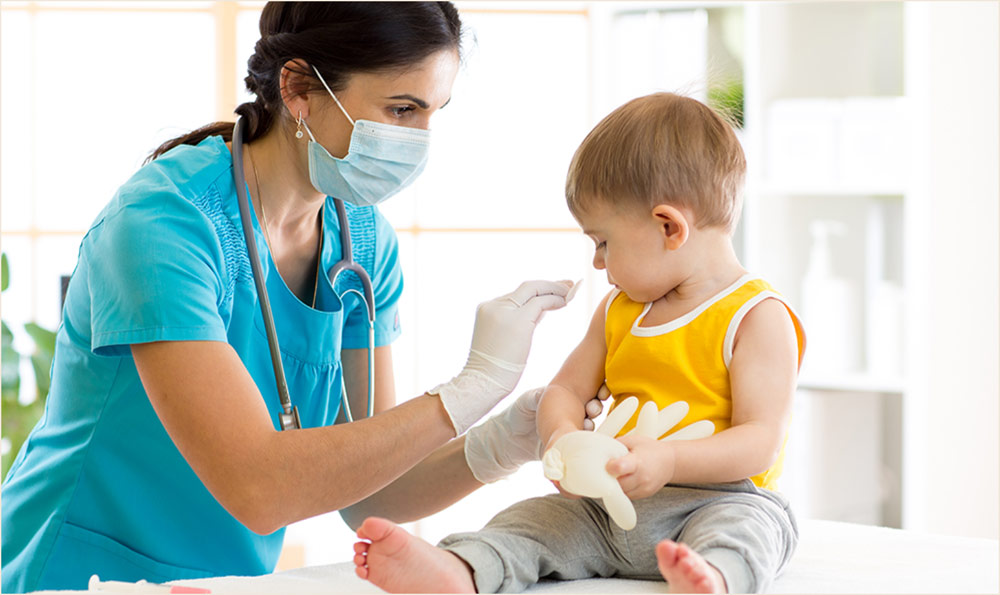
column 45, row 340
column 4, row 273
column 10, row 366
column 41, row 359
column 727, row 99
column 18, row 421
column 42, row 365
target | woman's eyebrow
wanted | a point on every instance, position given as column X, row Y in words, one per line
column 420, row 102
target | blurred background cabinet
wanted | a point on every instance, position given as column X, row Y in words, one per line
column 828, row 135
column 872, row 202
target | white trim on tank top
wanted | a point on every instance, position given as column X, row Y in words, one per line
column 662, row 329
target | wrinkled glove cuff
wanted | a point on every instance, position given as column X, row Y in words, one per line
column 468, row 397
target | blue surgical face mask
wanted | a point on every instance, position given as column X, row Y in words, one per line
column 381, row 160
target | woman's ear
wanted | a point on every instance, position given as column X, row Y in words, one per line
column 674, row 225
column 295, row 84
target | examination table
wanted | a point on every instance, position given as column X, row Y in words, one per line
column 832, row 557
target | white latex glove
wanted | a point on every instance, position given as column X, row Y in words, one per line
column 577, row 460
column 499, row 446
column 500, row 344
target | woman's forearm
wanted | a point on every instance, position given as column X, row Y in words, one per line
column 437, row 482
column 313, row 471
column 267, row 479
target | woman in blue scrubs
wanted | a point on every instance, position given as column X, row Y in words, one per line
column 158, row 456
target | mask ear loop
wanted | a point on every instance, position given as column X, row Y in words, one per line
column 327, row 87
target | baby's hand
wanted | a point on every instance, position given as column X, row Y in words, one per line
column 647, row 467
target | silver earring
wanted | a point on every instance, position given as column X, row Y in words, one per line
column 298, row 133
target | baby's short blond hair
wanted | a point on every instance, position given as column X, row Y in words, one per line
column 661, row 148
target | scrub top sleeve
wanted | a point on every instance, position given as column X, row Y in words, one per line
column 156, row 274
column 387, row 282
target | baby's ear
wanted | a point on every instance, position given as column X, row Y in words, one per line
column 674, row 225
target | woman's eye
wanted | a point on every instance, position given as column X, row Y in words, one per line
column 601, row 245
column 400, row 111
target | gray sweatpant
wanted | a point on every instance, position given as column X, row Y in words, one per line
column 748, row 533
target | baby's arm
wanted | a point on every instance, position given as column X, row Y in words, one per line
column 763, row 373
column 581, row 376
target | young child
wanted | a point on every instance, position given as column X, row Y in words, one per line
column 657, row 187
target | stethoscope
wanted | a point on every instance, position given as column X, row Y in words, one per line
column 290, row 414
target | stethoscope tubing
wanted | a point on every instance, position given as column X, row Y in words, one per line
column 289, row 417
column 346, row 263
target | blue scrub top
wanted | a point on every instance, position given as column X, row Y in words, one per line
column 99, row 487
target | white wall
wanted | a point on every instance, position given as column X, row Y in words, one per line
column 953, row 450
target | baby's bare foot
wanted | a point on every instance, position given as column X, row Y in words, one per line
column 686, row 571
column 398, row 562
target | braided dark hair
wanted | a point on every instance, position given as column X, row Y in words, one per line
column 339, row 39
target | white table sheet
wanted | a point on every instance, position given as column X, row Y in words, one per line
column 832, row 558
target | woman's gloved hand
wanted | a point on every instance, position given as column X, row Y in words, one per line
column 499, row 446
column 500, row 343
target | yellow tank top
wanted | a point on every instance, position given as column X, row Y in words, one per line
column 686, row 359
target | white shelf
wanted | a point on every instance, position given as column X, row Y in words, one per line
column 856, row 382
column 774, row 189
